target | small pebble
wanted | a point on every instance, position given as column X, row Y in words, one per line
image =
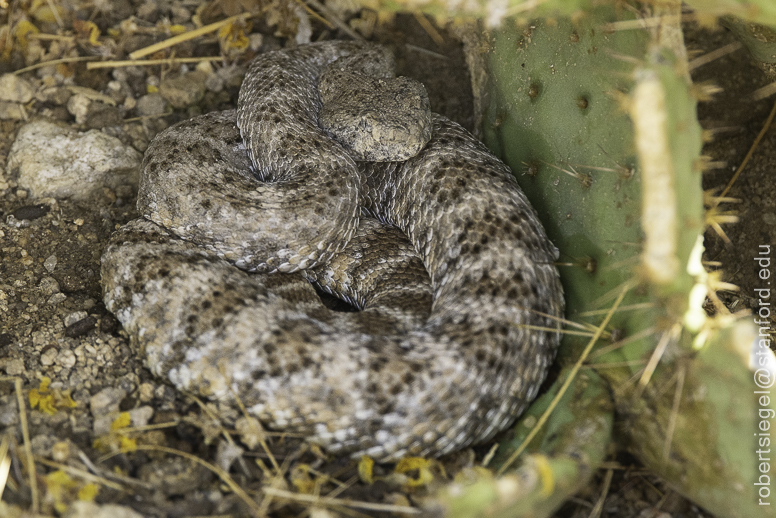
column 151, row 105
column 66, row 358
column 56, row 298
column 30, row 212
column 88, row 509
column 11, row 111
column 141, row 416
column 50, row 263
column 106, row 401
column 145, row 392
column 14, row 367
column 78, row 106
column 48, row 286
column 81, row 327
column 74, row 317
column 48, row 357
column 15, row 89
column 184, row 91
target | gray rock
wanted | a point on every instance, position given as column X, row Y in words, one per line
column 140, row 416
column 56, row 299
column 58, row 95
column 184, row 91
column 175, row 476
column 74, row 317
column 11, row 111
column 78, row 106
column 56, row 161
column 50, row 263
column 14, row 367
column 48, row 286
column 9, row 415
column 106, row 401
column 151, row 105
column 85, row 509
column 15, row 89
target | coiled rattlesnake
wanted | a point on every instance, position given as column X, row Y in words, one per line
column 196, row 282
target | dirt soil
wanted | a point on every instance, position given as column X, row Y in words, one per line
column 54, row 325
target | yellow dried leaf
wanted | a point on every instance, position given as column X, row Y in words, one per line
column 65, row 400
column 58, row 479
column 122, row 421
column 232, row 36
column 34, row 398
column 43, row 11
column 365, row 466
column 300, row 478
column 151, row 89
column 545, row 474
column 88, row 31
column 58, row 483
column 49, row 401
column 423, row 467
column 88, row 492
column 22, row 29
column 46, row 404
column 127, row 444
column 177, row 29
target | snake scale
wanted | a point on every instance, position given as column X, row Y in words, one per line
column 244, row 211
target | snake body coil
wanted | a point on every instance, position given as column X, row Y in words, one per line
column 425, row 368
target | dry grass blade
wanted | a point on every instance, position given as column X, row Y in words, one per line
column 222, row 474
column 332, row 19
column 147, row 62
column 713, row 55
column 669, row 336
column 29, row 459
column 5, row 462
column 644, row 333
column 599, row 505
column 674, row 412
column 765, row 91
column 429, row 28
column 83, row 474
column 186, row 36
column 55, row 62
column 327, row 501
column 756, row 142
column 567, row 382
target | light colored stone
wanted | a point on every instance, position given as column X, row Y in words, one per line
column 56, row 298
column 50, row 263
column 106, row 401
column 141, row 416
column 86, row 509
column 47, row 358
column 74, row 317
column 15, row 89
column 48, row 286
column 54, row 160
column 78, row 106
column 66, row 358
column 14, row 367
column 12, row 111
column 151, row 105
column 184, row 91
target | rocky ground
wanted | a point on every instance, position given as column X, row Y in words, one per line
column 103, row 431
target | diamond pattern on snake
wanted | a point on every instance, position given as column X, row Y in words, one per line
column 332, row 174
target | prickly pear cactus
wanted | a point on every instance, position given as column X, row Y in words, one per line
column 596, row 115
